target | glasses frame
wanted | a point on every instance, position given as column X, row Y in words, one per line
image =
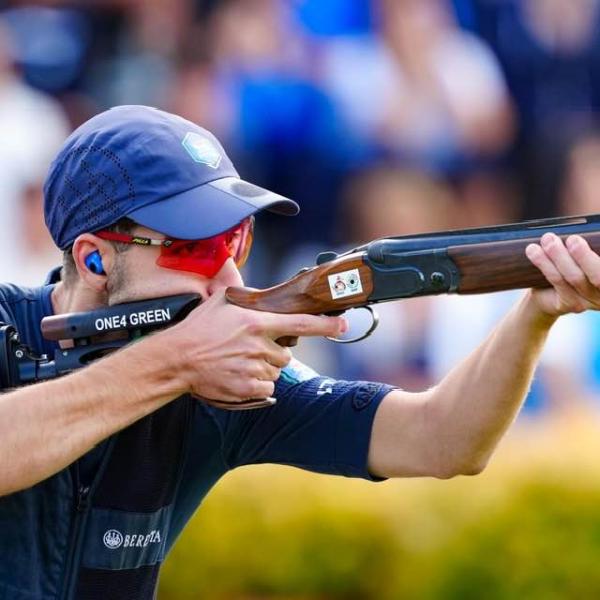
column 166, row 243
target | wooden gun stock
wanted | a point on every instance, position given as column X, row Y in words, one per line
column 307, row 292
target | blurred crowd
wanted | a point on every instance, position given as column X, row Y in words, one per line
column 380, row 117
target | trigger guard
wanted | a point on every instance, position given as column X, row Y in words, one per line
column 372, row 328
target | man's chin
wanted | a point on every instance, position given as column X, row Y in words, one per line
column 157, row 292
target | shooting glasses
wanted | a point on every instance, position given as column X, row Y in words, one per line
column 204, row 257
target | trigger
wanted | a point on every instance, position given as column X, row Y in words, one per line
column 366, row 334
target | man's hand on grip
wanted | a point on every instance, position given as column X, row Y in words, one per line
column 229, row 354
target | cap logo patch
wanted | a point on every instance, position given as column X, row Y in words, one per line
column 201, row 149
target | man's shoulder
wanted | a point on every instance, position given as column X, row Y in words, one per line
column 16, row 302
column 11, row 293
column 24, row 307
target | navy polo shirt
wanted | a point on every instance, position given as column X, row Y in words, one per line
column 319, row 424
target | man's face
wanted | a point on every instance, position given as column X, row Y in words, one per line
column 136, row 276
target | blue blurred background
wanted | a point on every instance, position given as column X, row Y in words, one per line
column 379, row 117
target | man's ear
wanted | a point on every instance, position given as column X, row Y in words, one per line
column 85, row 245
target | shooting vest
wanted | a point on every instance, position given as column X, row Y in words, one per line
column 100, row 537
column 120, row 522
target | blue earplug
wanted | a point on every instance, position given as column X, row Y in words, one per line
column 93, row 262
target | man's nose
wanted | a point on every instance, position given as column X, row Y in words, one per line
column 228, row 275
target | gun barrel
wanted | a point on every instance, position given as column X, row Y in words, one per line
column 530, row 230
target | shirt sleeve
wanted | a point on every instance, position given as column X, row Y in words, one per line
column 319, row 424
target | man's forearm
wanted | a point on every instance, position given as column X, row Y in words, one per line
column 477, row 401
column 46, row 426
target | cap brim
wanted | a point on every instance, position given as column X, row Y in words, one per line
column 210, row 209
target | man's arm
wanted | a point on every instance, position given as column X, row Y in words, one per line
column 218, row 352
column 454, row 427
column 46, row 426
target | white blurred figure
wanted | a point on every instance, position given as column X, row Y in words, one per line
column 425, row 89
column 458, row 324
column 32, row 127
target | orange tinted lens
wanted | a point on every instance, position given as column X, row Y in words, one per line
column 205, row 257
column 240, row 242
column 208, row 256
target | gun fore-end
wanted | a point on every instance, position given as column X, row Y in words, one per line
column 329, row 288
column 498, row 266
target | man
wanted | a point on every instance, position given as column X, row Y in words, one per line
column 101, row 469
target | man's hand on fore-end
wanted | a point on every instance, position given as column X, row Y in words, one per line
column 229, row 354
column 572, row 268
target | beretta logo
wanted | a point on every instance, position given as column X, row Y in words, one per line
column 113, row 539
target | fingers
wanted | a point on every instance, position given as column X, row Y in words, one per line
column 264, row 371
column 565, row 298
column 559, row 268
column 253, row 389
column 254, row 394
column 563, row 261
column 586, row 258
column 571, row 267
column 275, row 325
column 278, row 356
column 567, row 266
column 278, row 325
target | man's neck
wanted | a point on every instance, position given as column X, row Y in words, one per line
column 67, row 298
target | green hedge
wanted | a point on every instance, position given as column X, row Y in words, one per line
column 519, row 531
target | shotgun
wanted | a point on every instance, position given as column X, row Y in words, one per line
column 462, row 261
column 466, row 261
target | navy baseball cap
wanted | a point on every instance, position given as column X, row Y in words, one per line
column 160, row 170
